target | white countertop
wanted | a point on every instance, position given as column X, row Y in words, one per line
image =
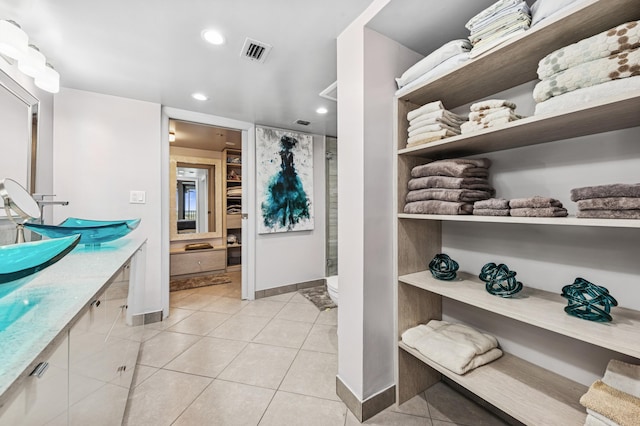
column 58, row 295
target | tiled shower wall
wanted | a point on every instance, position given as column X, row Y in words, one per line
column 332, row 205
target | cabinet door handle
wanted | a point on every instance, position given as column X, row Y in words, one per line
column 95, row 303
column 40, row 370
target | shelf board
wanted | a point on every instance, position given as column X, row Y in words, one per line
column 516, row 61
column 563, row 221
column 539, row 308
column 234, row 246
column 233, row 197
column 526, row 392
column 615, row 113
column 234, row 164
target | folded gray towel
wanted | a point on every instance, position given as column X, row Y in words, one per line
column 612, row 203
column 491, row 203
column 466, row 195
column 449, row 169
column 438, row 207
column 534, row 202
column 610, row 214
column 606, row 191
column 490, row 212
column 479, row 184
column 539, row 212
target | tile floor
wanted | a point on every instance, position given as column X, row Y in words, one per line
column 218, row 360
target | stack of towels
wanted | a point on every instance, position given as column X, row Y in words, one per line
column 614, row 400
column 437, row 63
column 616, row 201
column 604, row 65
column 432, row 122
column 536, row 207
column 489, row 113
column 498, row 23
column 457, row 347
column 234, row 209
column 448, row 186
column 234, row 191
column 491, row 207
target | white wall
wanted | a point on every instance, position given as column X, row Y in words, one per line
column 367, row 65
column 104, row 146
column 295, row 257
column 549, row 257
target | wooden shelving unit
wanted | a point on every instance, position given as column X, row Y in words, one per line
column 526, row 392
column 232, row 159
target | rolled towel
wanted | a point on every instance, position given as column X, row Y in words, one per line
column 425, row 109
column 611, row 203
column 612, row 403
column 492, row 103
column 465, row 195
column 623, row 376
column 534, row 202
column 539, row 212
column 429, row 137
column 479, row 184
column 456, row 167
column 438, row 207
column 609, row 214
column 434, row 128
column 456, row 347
column 492, row 203
column 606, row 191
column 491, row 212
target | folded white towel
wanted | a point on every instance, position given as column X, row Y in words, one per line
column 474, row 126
column 500, row 26
column 456, row 347
column 431, row 107
column 485, row 116
column 429, row 137
column 431, row 61
column 596, row 419
column 434, row 116
column 486, row 45
column 493, row 12
column 623, row 376
column 492, row 103
column 434, row 128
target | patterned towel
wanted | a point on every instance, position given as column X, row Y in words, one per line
column 423, row 138
column 492, row 103
column 474, row 126
column 490, row 113
column 607, row 43
column 620, row 65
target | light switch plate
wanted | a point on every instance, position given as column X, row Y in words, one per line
column 137, row 197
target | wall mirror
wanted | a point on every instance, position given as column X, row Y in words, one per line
column 19, row 141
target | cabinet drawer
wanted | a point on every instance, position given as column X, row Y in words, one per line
column 234, row 221
column 194, row 262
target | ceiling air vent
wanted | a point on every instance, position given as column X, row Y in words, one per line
column 255, row 50
column 331, row 92
column 303, row 122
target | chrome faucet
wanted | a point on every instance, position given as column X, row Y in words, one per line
column 42, row 202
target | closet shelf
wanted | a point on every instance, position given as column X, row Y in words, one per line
column 515, row 61
column 526, row 392
column 539, row 308
column 562, row 221
column 615, row 113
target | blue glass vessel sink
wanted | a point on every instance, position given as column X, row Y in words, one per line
column 91, row 231
column 21, row 260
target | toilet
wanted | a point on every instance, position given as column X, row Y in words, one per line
column 332, row 288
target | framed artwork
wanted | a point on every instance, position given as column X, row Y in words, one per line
column 284, row 180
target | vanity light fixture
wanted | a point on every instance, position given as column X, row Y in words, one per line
column 48, row 79
column 322, row 110
column 213, row 37
column 33, row 62
column 14, row 42
column 199, row 97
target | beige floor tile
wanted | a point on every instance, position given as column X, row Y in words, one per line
column 200, row 323
column 442, row 423
column 328, row 317
column 181, row 294
column 390, row 418
column 293, row 410
column 260, row 365
column 290, row 334
column 298, row 298
column 450, row 406
column 226, row 305
column 194, row 301
column 243, row 328
column 312, row 374
column 227, row 404
column 262, row 308
column 233, row 292
column 159, row 350
column 142, row 373
column 207, row 357
column 175, row 316
column 299, row 312
column 322, row 338
column 284, row 297
column 101, row 408
column 161, row 398
column 216, row 290
column 416, row 406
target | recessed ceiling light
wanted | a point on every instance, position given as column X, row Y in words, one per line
column 322, row 110
column 213, row 37
column 199, row 97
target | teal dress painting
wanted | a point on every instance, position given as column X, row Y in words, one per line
column 285, row 180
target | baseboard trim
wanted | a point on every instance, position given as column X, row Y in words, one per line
column 148, row 318
column 364, row 410
column 259, row 294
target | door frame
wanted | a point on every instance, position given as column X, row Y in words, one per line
column 248, row 195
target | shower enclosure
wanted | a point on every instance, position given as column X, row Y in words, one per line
column 331, row 165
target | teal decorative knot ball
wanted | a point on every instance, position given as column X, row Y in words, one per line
column 499, row 280
column 588, row 301
column 442, row 267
